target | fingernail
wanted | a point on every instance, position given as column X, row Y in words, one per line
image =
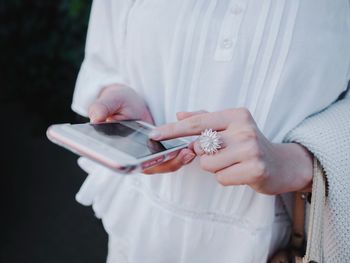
column 155, row 135
column 187, row 158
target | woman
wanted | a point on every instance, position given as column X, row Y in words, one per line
column 252, row 71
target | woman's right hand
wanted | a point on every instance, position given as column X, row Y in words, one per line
column 117, row 102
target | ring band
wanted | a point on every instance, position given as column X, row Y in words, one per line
column 210, row 141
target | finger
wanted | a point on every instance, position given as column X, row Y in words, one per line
column 224, row 158
column 198, row 149
column 146, row 117
column 184, row 157
column 186, row 114
column 229, row 154
column 225, row 137
column 238, row 174
column 116, row 117
column 192, row 126
column 103, row 108
column 98, row 112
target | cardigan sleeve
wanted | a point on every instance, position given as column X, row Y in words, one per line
column 327, row 136
column 103, row 61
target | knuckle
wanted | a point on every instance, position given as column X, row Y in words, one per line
column 249, row 135
column 244, row 114
column 241, row 114
column 238, row 115
column 196, row 122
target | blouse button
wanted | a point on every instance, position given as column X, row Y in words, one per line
column 226, row 43
column 236, row 10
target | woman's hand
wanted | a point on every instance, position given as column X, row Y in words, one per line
column 247, row 157
column 185, row 156
column 118, row 102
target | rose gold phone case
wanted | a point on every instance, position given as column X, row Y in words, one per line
column 82, row 149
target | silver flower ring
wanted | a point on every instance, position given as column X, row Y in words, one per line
column 210, row 141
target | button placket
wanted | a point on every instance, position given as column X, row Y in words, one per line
column 226, row 43
column 229, row 31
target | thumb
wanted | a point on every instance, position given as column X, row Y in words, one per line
column 102, row 108
column 186, row 114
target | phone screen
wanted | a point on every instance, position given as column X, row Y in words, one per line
column 130, row 137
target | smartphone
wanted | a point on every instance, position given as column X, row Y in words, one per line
column 123, row 146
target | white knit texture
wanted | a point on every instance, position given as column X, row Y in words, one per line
column 327, row 136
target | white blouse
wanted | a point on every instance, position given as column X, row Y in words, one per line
column 283, row 60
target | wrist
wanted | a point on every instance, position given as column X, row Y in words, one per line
column 296, row 167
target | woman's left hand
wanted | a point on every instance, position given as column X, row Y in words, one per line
column 247, row 157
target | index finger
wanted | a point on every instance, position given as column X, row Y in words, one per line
column 191, row 126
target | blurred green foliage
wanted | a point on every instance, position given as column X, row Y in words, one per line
column 42, row 46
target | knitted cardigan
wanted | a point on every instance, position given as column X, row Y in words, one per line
column 327, row 136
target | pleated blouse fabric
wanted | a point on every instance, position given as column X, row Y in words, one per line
column 283, row 60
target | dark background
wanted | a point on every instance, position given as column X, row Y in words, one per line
column 42, row 46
